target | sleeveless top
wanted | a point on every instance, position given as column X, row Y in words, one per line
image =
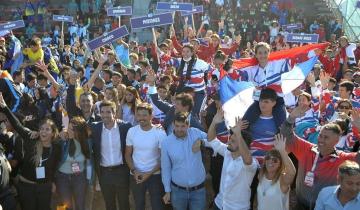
column 270, row 197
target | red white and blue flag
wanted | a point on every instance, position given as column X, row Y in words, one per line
column 236, row 96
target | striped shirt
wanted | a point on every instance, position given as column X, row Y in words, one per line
column 198, row 71
column 262, row 132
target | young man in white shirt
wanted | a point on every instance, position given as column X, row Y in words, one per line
column 239, row 167
column 142, row 155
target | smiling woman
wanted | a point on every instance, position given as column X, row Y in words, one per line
column 39, row 160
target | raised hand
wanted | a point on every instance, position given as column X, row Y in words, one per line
column 311, row 79
column 151, row 77
column 298, row 112
column 219, row 116
column 324, row 79
column 42, row 66
column 2, row 101
column 280, row 142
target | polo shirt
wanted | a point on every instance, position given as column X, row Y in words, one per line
column 325, row 172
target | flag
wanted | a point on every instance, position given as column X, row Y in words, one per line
column 123, row 55
column 236, row 97
column 291, row 54
column 17, row 57
column 294, row 78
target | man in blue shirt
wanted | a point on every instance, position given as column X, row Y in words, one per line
column 345, row 196
column 182, row 169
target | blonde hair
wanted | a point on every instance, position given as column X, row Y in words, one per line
column 263, row 170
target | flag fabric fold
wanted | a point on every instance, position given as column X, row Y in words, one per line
column 236, row 97
column 123, row 55
column 17, row 57
column 291, row 54
column 294, row 78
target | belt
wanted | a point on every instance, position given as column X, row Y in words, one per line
column 111, row 168
column 189, row 188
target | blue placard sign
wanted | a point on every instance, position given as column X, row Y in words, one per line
column 174, row 6
column 197, row 9
column 152, row 21
column 119, row 11
column 12, row 25
column 303, row 38
column 293, row 26
column 63, row 18
column 108, row 37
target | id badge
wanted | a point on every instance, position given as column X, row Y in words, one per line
column 88, row 171
column 309, row 179
column 75, row 168
column 40, row 172
column 256, row 95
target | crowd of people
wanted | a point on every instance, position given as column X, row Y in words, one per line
column 144, row 118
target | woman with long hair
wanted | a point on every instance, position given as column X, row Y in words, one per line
column 275, row 178
column 40, row 157
column 75, row 167
column 130, row 101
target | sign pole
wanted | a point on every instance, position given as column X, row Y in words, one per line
column 62, row 27
column 193, row 23
column 156, row 45
column 119, row 20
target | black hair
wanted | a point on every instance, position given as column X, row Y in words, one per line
column 268, row 93
column 189, row 67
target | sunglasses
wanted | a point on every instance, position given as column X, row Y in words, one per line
column 273, row 159
column 344, row 107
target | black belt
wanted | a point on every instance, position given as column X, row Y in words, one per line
column 189, row 188
column 111, row 168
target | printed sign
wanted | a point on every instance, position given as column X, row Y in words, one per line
column 303, row 38
column 174, row 6
column 63, row 18
column 197, row 9
column 108, row 37
column 12, row 25
column 293, row 26
column 119, row 11
column 151, row 21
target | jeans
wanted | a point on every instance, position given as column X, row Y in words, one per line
column 155, row 188
column 71, row 186
column 192, row 200
column 34, row 196
column 198, row 102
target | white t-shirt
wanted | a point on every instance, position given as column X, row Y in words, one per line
column 146, row 147
column 236, row 178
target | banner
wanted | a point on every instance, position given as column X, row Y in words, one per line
column 174, row 6
column 108, row 37
column 63, row 18
column 197, row 9
column 151, row 21
column 12, row 25
column 302, row 38
column 293, row 26
column 119, row 11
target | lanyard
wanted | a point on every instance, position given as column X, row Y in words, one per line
column 45, row 159
column 257, row 74
column 315, row 162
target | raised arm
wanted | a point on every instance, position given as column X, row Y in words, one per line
column 24, row 132
column 218, row 118
column 243, row 148
column 289, row 170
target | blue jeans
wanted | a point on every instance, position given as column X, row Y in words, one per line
column 198, row 101
column 192, row 200
column 71, row 186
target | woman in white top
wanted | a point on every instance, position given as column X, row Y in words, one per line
column 275, row 178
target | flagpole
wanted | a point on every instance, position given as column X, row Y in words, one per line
column 193, row 23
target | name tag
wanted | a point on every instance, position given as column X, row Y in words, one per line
column 88, row 171
column 309, row 179
column 40, row 172
column 75, row 168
